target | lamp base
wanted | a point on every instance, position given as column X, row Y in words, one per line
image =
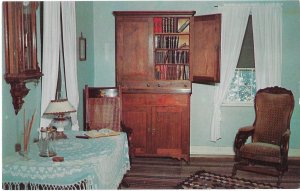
column 60, row 123
column 61, row 135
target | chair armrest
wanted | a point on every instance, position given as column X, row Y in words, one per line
column 284, row 142
column 242, row 136
column 247, row 129
column 126, row 129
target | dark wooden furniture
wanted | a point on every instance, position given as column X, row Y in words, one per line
column 270, row 134
column 21, row 63
column 160, row 123
column 157, row 58
column 102, row 108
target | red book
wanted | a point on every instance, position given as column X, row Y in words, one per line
column 154, row 24
column 157, row 27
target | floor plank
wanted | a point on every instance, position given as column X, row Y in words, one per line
column 166, row 173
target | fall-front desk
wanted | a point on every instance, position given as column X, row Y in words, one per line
column 98, row 163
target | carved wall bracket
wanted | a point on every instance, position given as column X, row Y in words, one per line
column 18, row 92
column 18, row 87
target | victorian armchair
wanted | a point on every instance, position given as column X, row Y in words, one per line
column 269, row 134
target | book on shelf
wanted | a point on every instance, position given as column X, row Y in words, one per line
column 171, row 57
column 157, row 72
column 165, row 24
column 181, row 72
column 166, row 41
column 157, row 21
column 187, row 72
column 171, row 72
column 183, row 26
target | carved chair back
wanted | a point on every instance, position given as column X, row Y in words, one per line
column 273, row 110
column 103, row 108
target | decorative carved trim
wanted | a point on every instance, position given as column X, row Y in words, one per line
column 275, row 90
column 18, row 91
column 18, row 87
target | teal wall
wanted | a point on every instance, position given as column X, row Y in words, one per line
column 85, row 69
column 291, row 65
column 96, row 22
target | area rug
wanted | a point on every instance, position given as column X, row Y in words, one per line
column 207, row 180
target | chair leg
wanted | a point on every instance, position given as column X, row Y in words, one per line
column 238, row 165
column 234, row 169
column 280, row 175
column 279, row 180
column 281, row 170
column 124, row 183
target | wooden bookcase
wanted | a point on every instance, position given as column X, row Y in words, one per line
column 158, row 56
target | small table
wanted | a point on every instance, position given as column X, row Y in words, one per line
column 98, row 163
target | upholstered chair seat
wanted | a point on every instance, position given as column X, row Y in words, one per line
column 261, row 151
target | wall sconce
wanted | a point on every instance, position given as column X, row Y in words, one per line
column 82, row 48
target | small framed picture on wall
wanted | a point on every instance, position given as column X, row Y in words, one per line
column 82, row 48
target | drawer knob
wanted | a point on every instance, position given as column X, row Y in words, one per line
column 158, row 85
column 148, row 85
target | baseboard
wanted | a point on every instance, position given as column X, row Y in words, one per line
column 207, row 150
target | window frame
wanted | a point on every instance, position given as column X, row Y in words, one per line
column 238, row 103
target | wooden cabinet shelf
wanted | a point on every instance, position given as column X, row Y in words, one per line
column 158, row 56
column 173, row 34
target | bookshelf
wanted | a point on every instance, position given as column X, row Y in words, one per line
column 171, row 48
column 159, row 54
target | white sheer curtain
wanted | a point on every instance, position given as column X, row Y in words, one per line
column 51, row 44
column 234, row 22
column 69, row 37
column 51, row 40
column 267, row 36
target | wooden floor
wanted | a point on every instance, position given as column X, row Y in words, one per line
column 166, row 173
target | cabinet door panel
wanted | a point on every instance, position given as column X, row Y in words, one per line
column 206, row 43
column 133, row 49
column 166, row 130
column 137, row 118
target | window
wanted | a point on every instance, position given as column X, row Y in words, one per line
column 243, row 86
